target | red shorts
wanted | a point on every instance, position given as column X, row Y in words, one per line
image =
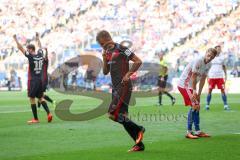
column 187, row 94
column 213, row 82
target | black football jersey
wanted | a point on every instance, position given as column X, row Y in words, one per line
column 118, row 61
column 35, row 68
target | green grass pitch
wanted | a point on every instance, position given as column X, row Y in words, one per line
column 103, row 139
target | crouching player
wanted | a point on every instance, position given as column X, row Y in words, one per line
column 195, row 71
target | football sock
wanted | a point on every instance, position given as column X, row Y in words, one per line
column 44, row 104
column 140, row 144
column 169, row 95
column 34, row 111
column 48, row 98
column 190, row 120
column 160, row 97
column 130, row 131
column 224, row 98
column 196, row 120
column 131, row 128
column 209, row 97
column 39, row 104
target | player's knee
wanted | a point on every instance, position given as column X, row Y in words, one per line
column 41, row 100
column 117, row 118
column 32, row 100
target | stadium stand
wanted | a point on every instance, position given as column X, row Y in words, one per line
column 68, row 28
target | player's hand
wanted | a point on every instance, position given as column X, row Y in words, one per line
column 196, row 107
column 15, row 37
column 194, row 96
column 162, row 79
column 125, row 79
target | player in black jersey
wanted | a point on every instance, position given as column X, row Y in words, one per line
column 116, row 61
column 44, row 51
column 34, row 79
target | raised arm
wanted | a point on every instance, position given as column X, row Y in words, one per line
column 46, row 55
column 19, row 46
column 38, row 40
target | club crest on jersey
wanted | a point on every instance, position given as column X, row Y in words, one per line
column 128, row 52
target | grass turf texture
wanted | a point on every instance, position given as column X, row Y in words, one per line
column 103, row 139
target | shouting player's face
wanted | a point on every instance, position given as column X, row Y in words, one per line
column 209, row 57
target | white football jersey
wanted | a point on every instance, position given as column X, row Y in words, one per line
column 197, row 66
column 216, row 70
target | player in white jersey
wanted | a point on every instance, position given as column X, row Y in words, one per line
column 216, row 77
column 194, row 72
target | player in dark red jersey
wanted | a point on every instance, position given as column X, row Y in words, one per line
column 116, row 61
column 34, row 79
column 44, row 52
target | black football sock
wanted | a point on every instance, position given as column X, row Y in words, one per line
column 140, row 144
column 39, row 104
column 45, row 106
column 160, row 97
column 132, row 128
column 48, row 98
column 131, row 132
column 34, row 111
column 169, row 95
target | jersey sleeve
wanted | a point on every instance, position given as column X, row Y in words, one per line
column 128, row 54
column 125, row 52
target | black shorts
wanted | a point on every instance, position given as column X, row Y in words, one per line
column 35, row 89
column 162, row 84
column 120, row 101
